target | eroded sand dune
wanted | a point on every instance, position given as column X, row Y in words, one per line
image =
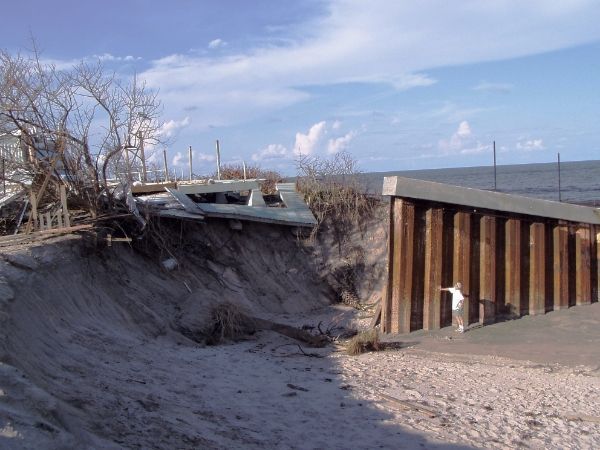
column 92, row 357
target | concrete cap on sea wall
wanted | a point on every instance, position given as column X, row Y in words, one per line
column 476, row 198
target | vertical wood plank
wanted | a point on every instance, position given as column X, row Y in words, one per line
column 461, row 260
column 512, row 261
column 487, row 270
column 537, row 269
column 34, row 213
column 560, row 241
column 65, row 209
column 434, row 226
column 404, row 220
column 583, row 294
column 596, row 297
column 386, row 310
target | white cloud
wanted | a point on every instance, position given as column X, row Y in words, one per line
column 112, row 58
column 341, row 143
column 270, row 152
column 531, row 145
column 307, row 143
column 178, row 159
column 169, row 128
column 181, row 159
column 216, row 43
column 336, row 125
column 340, row 46
column 485, row 86
column 462, row 142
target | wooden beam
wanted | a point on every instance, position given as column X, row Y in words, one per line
column 583, row 294
column 537, row 269
column 65, row 209
column 403, row 220
column 512, row 262
column 487, row 270
column 560, row 241
column 234, row 186
column 461, row 259
column 152, row 187
column 434, row 227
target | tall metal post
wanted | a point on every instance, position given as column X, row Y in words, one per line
column 495, row 186
column 559, row 194
column 165, row 162
column 142, row 157
column 218, row 160
column 190, row 157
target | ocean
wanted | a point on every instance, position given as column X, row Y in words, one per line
column 579, row 180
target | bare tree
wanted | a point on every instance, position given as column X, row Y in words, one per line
column 75, row 125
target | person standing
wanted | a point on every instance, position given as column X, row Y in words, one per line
column 458, row 300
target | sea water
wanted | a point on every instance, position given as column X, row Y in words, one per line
column 579, row 180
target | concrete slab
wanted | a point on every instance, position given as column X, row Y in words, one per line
column 475, row 198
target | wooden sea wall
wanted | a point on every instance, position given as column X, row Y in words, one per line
column 510, row 263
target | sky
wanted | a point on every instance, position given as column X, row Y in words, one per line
column 399, row 85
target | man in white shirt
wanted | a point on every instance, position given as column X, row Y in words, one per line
column 458, row 300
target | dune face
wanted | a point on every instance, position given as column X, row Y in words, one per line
column 102, row 348
column 77, row 321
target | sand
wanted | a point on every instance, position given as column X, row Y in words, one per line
column 91, row 358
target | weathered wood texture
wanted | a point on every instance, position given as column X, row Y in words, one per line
column 403, row 219
column 461, row 266
column 583, row 288
column 561, row 266
column 509, row 266
column 432, row 308
column 512, row 257
column 487, row 270
column 537, row 268
column 596, row 269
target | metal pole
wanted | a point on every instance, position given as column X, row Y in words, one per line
column 559, row 194
column 244, row 165
column 190, row 157
column 218, row 160
column 495, row 185
column 166, row 167
column 3, row 177
column 143, row 157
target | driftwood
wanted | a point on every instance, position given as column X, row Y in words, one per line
column 410, row 405
column 292, row 332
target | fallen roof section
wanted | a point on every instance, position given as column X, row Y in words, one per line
column 296, row 212
column 476, row 198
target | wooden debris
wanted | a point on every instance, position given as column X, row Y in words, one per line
column 410, row 405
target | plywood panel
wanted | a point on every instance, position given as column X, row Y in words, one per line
column 487, row 270
column 434, row 226
column 537, row 268
column 560, row 240
column 402, row 270
column 583, row 288
column 512, row 261
column 461, row 261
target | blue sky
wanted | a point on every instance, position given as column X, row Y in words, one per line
column 400, row 85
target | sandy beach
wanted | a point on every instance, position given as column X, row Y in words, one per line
column 91, row 358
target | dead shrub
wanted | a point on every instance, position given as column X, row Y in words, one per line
column 236, row 172
column 229, row 323
column 333, row 191
column 365, row 341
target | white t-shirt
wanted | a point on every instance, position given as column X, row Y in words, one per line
column 457, row 297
